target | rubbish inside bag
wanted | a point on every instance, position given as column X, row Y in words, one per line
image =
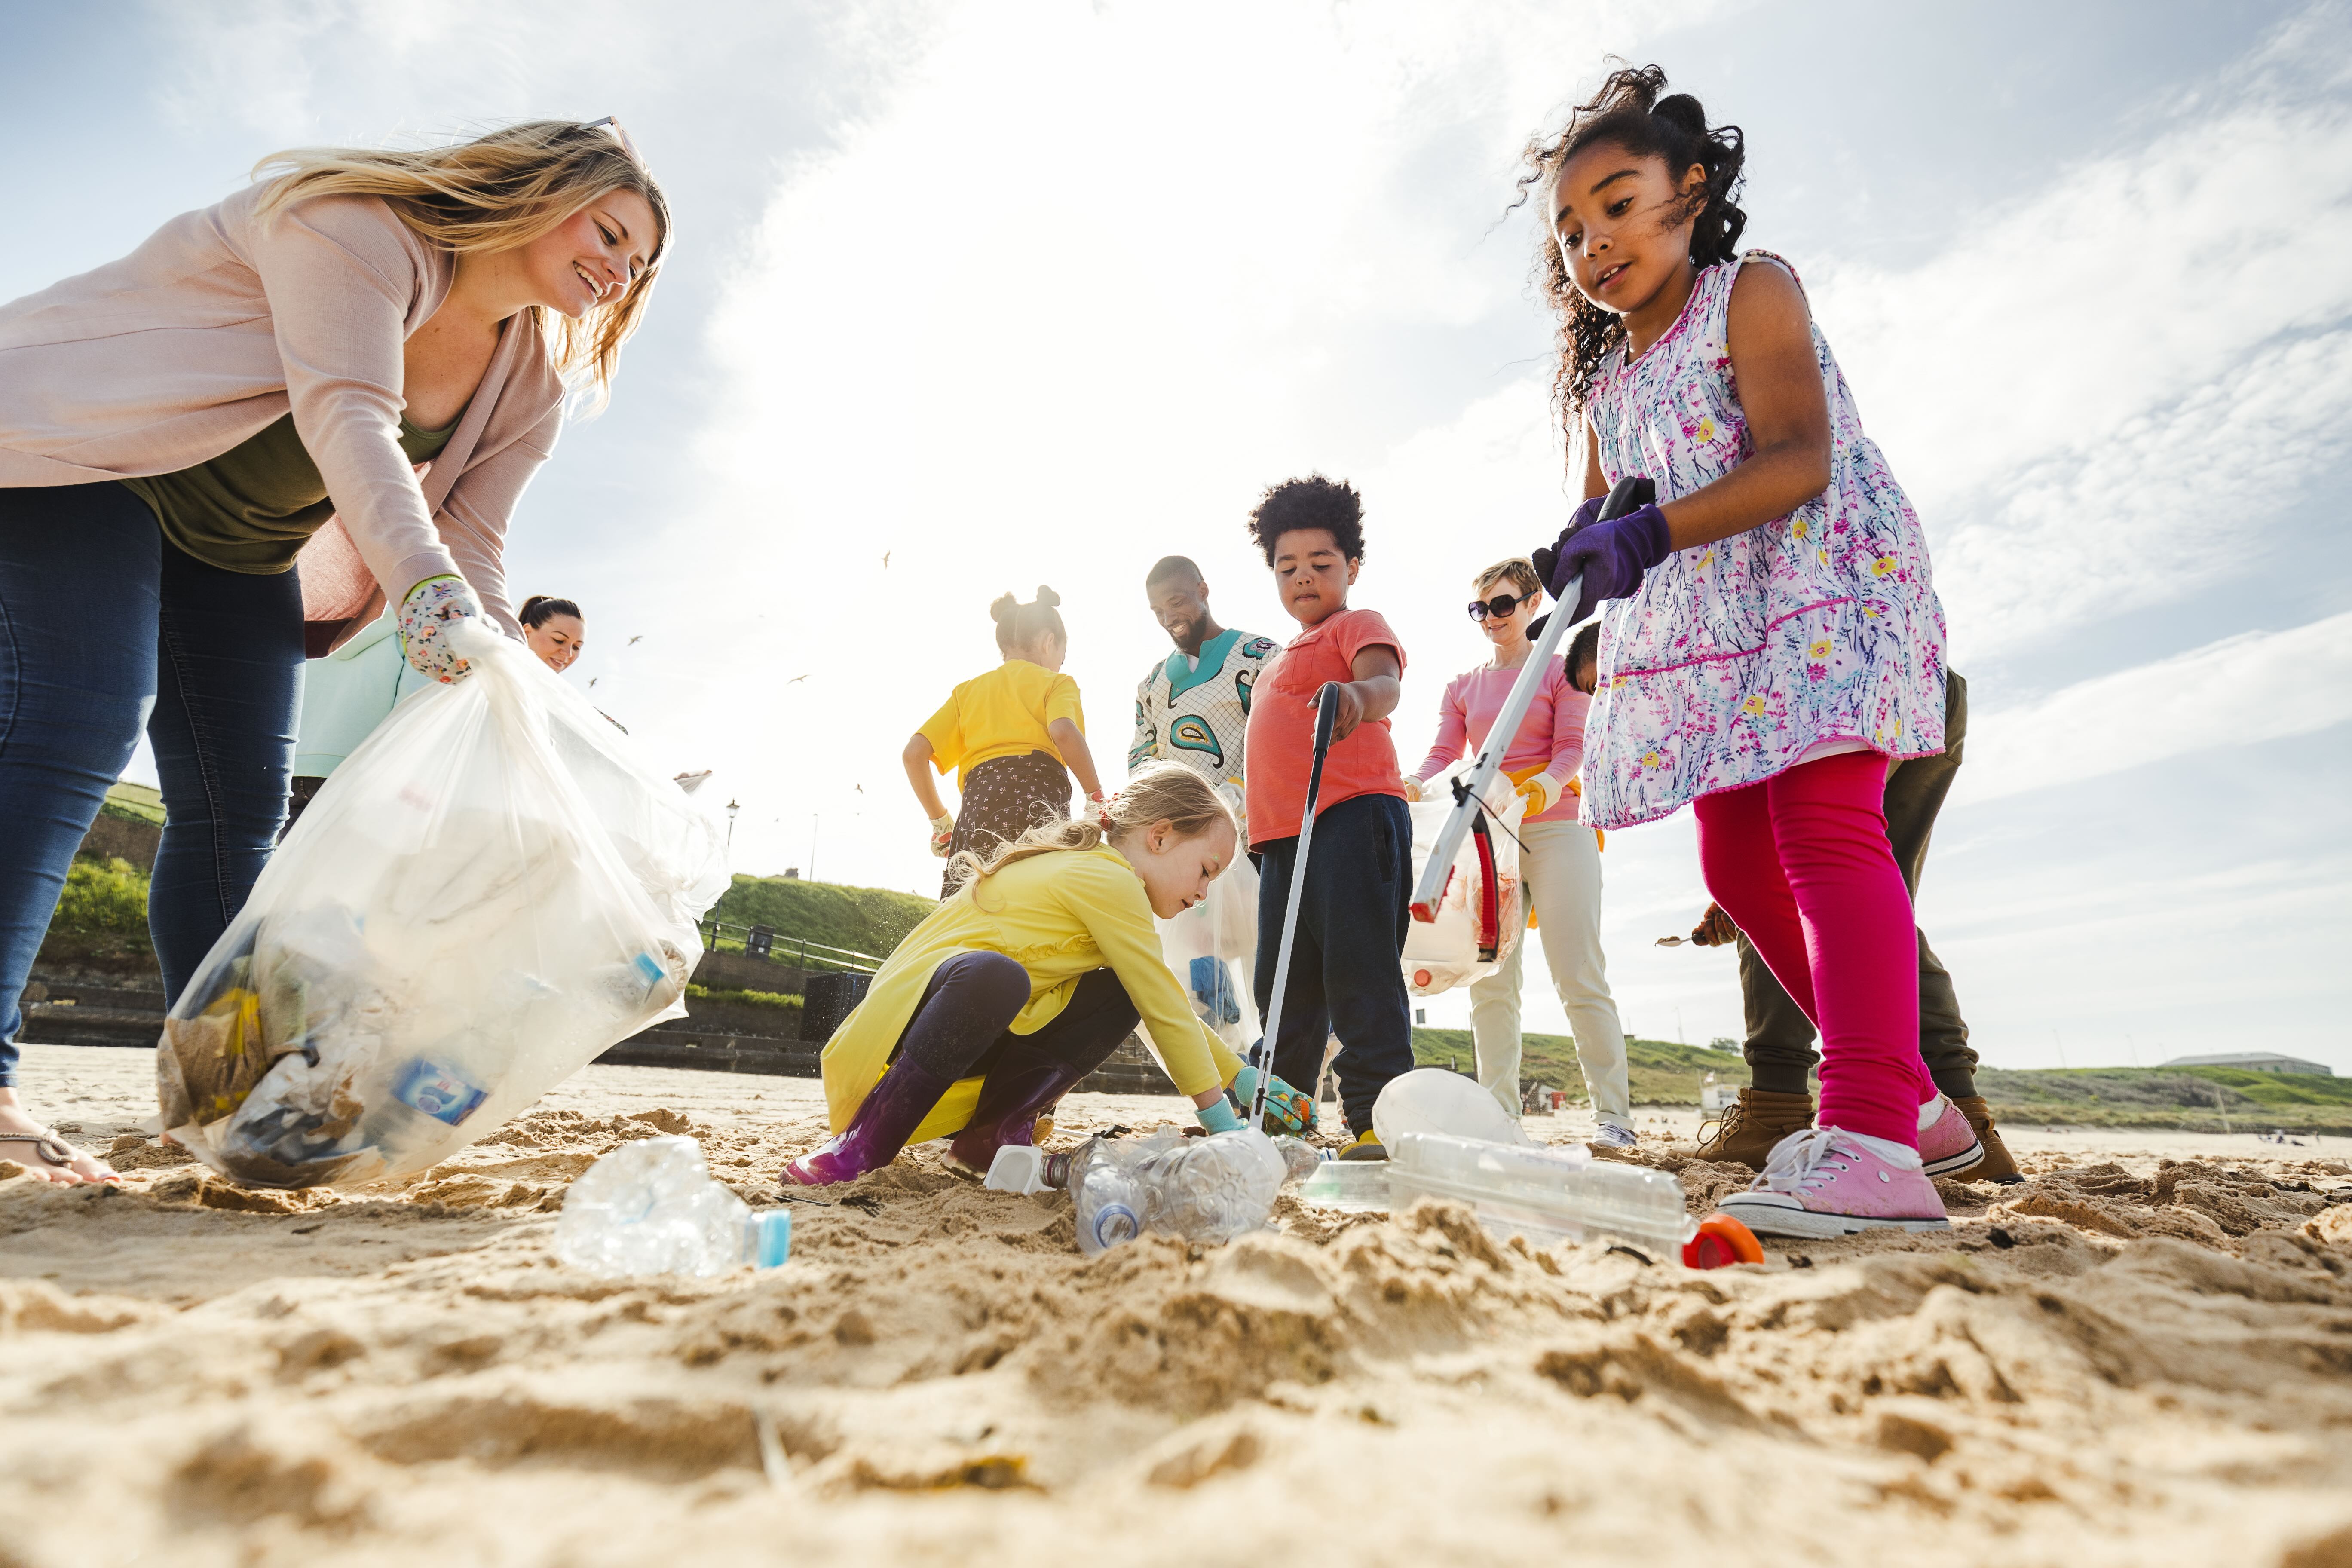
column 487, row 894
column 1482, row 913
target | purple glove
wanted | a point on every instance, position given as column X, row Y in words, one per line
column 1612, row 557
column 1547, row 557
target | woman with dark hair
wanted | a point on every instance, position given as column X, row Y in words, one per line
column 359, row 360
column 1015, row 735
column 553, row 629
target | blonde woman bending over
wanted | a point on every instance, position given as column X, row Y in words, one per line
column 1559, row 860
column 357, row 362
column 958, row 1035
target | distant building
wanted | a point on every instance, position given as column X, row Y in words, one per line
column 2255, row 1061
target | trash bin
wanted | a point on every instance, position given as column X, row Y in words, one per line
column 830, row 996
column 759, row 939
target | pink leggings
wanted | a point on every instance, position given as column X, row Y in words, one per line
column 1801, row 864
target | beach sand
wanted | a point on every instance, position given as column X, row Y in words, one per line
column 2142, row 1356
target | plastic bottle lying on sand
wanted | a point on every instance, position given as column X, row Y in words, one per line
column 652, row 1208
column 1199, row 1189
column 1546, row 1194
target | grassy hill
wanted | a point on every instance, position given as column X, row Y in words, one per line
column 2193, row 1099
column 1661, row 1072
column 862, row 920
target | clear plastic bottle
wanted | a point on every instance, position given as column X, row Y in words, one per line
column 1200, row 1189
column 1546, row 1194
column 651, row 1207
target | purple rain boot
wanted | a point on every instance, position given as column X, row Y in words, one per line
column 884, row 1119
column 1009, row 1105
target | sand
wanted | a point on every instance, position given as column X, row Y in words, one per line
column 2137, row 1357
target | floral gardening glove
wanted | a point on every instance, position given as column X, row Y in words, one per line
column 425, row 615
column 1284, row 1104
column 942, row 831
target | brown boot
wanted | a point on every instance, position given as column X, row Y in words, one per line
column 1996, row 1166
column 1749, row 1129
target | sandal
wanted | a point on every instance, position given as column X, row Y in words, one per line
column 59, row 1155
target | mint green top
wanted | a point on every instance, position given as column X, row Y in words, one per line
column 256, row 505
column 347, row 694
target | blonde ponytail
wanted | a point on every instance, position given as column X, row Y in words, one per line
column 1167, row 792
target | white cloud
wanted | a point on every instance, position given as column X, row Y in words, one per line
column 2261, row 686
column 2084, row 394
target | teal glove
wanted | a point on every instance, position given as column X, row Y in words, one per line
column 1284, row 1104
column 1218, row 1116
column 426, row 616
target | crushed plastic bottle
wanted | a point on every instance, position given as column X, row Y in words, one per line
column 1197, row 1189
column 652, row 1208
column 1546, row 1194
column 1303, row 1159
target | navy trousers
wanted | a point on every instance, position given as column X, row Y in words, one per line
column 1346, row 975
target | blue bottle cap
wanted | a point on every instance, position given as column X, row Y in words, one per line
column 771, row 1237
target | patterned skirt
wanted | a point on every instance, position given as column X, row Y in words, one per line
column 1004, row 798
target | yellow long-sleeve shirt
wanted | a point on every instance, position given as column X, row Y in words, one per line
column 1060, row 916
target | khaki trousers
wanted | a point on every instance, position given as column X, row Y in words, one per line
column 1559, row 869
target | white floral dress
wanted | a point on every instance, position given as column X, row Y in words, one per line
column 1735, row 659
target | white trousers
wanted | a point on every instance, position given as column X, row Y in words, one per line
column 1560, row 868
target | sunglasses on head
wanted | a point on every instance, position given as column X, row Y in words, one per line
column 1500, row 606
column 613, row 125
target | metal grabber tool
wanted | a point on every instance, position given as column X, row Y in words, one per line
column 1470, row 793
column 1326, row 712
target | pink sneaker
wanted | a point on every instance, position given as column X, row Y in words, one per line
column 1823, row 1182
column 1948, row 1141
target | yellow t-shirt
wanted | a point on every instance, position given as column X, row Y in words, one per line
column 1060, row 916
column 1001, row 714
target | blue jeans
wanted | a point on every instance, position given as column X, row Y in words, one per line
column 1346, row 977
column 104, row 627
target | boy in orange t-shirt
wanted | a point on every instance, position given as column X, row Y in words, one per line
column 1345, row 974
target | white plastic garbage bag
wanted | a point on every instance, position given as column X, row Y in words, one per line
column 1213, row 948
column 491, row 891
column 1482, row 913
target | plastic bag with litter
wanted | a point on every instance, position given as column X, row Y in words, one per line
column 492, row 890
column 1482, row 913
column 1213, row 948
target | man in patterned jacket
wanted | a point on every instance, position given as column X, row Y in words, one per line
column 1194, row 709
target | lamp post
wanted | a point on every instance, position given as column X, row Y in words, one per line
column 732, row 807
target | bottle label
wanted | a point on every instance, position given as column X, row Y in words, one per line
column 439, row 1093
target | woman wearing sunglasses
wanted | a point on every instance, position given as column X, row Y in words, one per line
column 359, row 360
column 1559, row 859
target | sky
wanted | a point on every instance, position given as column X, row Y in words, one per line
column 966, row 297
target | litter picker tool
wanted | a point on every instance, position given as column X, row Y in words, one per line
column 1326, row 712
column 1470, row 792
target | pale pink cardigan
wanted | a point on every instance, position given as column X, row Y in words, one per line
column 221, row 323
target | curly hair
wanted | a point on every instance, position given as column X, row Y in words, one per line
column 1632, row 111
column 1311, row 502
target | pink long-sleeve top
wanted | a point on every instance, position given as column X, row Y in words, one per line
column 1551, row 738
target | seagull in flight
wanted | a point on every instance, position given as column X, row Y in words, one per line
column 634, row 640
column 796, row 679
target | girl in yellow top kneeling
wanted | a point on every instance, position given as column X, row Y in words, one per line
column 1013, row 735
column 1023, row 982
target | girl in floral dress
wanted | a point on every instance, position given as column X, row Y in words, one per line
column 1772, row 639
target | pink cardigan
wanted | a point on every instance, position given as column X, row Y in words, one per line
column 218, row 324
column 1551, row 738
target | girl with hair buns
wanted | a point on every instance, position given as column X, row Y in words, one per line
column 361, row 359
column 1773, row 639
column 1020, row 983
column 1013, row 735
